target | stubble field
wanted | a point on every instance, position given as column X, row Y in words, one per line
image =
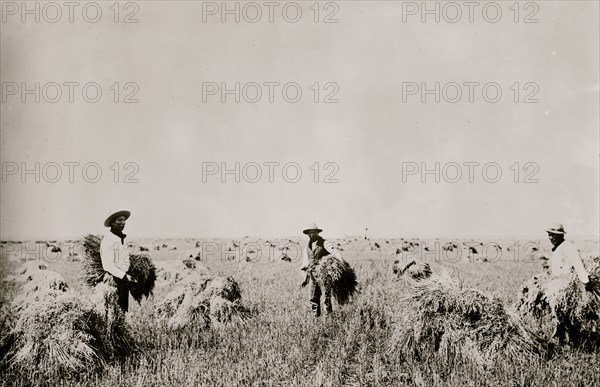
column 283, row 345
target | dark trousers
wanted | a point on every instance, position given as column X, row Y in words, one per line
column 564, row 328
column 123, row 293
column 315, row 299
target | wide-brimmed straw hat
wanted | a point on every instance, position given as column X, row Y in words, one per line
column 110, row 219
column 312, row 227
column 556, row 228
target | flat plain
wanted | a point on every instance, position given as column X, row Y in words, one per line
column 282, row 344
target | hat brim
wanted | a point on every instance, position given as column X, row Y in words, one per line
column 109, row 220
column 312, row 229
column 556, row 232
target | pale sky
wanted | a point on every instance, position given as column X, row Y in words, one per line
column 369, row 133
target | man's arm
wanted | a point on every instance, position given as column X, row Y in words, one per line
column 574, row 260
column 304, row 259
column 108, row 253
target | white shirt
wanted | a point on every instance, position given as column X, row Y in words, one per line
column 115, row 257
column 329, row 246
column 566, row 257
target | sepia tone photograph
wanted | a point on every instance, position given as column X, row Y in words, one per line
column 300, row 193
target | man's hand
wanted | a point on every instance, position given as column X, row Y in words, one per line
column 305, row 282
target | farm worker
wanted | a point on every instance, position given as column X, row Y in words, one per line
column 564, row 258
column 565, row 255
column 315, row 250
column 115, row 257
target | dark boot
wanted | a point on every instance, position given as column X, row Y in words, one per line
column 315, row 308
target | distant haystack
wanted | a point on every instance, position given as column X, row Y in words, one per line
column 192, row 253
column 450, row 246
column 564, row 302
column 201, row 301
column 450, row 325
column 416, row 270
column 172, row 272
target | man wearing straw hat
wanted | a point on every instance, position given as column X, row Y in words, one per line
column 565, row 257
column 115, row 257
column 315, row 250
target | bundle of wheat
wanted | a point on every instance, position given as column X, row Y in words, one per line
column 104, row 297
column 562, row 306
column 92, row 262
column 114, row 336
column 416, row 270
column 455, row 326
column 143, row 272
column 201, row 301
column 53, row 335
column 533, row 299
column 26, row 272
column 58, row 330
column 45, row 281
column 337, row 276
column 7, row 323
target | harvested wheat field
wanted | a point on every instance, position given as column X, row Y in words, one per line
column 223, row 320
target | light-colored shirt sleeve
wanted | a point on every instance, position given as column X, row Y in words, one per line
column 304, row 257
column 574, row 260
column 109, row 252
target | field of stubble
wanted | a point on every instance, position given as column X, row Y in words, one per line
column 282, row 345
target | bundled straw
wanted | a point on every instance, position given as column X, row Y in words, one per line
column 416, row 270
column 92, row 262
column 26, row 272
column 105, row 299
column 141, row 268
column 143, row 272
column 114, row 334
column 456, row 326
column 563, row 301
column 55, row 334
column 57, row 330
column 202, row 300
column 43, row 284
column 337, row 276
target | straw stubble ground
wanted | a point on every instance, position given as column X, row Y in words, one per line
column 283, row 345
